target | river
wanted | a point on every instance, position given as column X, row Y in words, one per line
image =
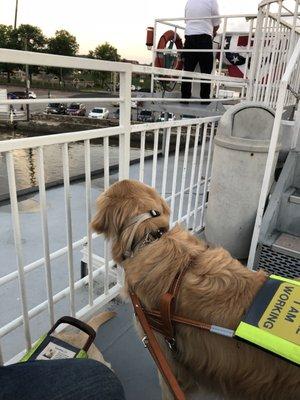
column 26, row 163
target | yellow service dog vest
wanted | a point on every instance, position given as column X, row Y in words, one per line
column 273, row 319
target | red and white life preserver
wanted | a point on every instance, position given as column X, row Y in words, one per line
column 162, row 44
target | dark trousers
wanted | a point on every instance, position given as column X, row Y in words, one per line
column 59, row 380
column 190, row 61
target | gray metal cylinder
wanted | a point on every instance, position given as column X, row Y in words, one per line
column 240, row 155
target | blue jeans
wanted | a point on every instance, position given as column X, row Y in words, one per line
column 74, row 379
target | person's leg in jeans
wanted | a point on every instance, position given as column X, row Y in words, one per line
column 206, row 62
column 74, row 379
column 190, row 61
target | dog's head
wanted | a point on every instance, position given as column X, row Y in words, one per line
column 120, row 204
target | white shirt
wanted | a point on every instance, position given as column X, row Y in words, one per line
column 198, row 9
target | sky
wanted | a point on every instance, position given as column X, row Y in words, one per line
column 121, row 23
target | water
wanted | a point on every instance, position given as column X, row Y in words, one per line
column 26, row 163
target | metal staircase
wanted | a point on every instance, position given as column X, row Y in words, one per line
column 279, row 241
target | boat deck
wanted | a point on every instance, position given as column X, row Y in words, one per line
column 120, row 345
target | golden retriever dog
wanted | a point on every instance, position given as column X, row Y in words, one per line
column 216, row 289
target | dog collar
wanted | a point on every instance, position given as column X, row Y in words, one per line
column 148, row 238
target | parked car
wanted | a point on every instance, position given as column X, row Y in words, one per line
column 99, row 113
column 31, row 94
column 11, row 96
column 76, row 109
column 17, row 95
column 56, row 108
column 146, row 116
column 21, row 95
column 170, row 117
column 134, row 104
column 187, row 116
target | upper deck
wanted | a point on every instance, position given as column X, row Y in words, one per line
column 49, row 235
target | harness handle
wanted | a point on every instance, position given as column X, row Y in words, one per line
column 79, row 325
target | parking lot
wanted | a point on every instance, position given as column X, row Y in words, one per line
column 44, row 94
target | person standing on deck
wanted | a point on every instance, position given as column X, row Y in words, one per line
column 199, row 35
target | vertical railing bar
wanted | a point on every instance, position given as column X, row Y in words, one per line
column 276, row 68
column 203, row 145
column 267, row 51
column 285, row 60
column 183, row 176
column 106, row 161
column 260, row 63
column 174, row 182
column 106, row 186
column 292, row 38
column 278, row 63
column 88, row 186
column 268, row 60
column 155, row 150
column 125, row 123
column 255, row 59
column 166, row 162
column 222, row 53
column 142, row 156
column 194, row 161
column 67, row 192
column 18, row 243
column 212, row 132
column 275, row 46
column 247, row 55
column 260, row 46
column 297, row 77
column 45, row 232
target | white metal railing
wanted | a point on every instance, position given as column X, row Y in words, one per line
column 272, row 35
column 177, row 164
column 290, row 78
column 277, row 32
column 227, row 28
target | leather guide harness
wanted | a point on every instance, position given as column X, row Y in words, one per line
column 163, row 320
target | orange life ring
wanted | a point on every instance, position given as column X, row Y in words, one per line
column 163, row 41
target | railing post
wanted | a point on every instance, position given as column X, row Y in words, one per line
column 125, row 121
column 256, row 52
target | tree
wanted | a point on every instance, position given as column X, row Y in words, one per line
column 104, row 52
column 64, row 44
column 6, row 35
column 29, row 37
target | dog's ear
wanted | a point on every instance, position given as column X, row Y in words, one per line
column 100, row 222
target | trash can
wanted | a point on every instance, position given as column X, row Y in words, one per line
column 240, row 155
